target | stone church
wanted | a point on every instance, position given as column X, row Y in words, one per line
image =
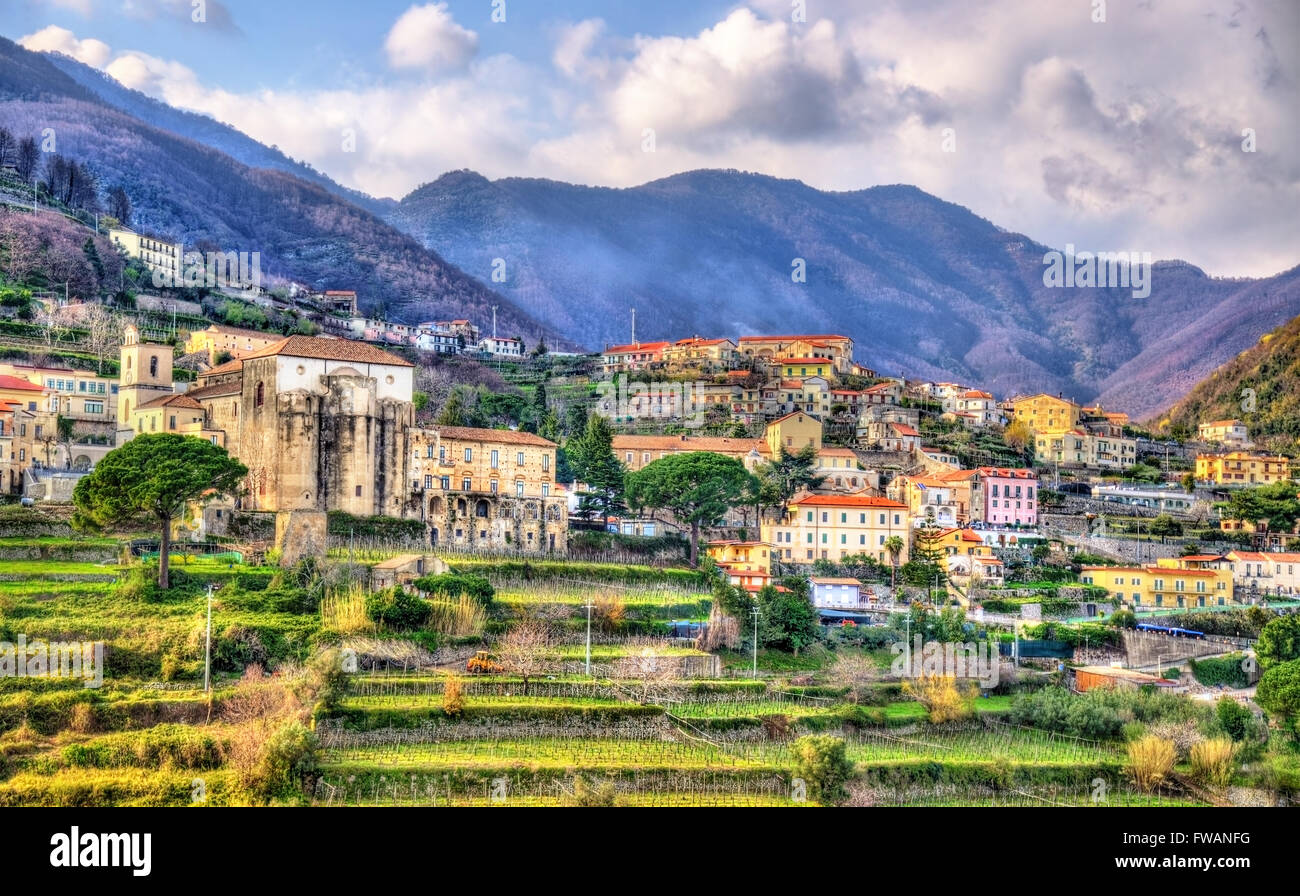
column 329, row 424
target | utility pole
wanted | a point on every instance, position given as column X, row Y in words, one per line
column 589, row 599
column 494, row 321
column 755, row 673
column 207, row 647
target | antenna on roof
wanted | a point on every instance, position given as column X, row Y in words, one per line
column 634, row 326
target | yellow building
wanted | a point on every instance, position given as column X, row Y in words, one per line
column 146, row 374
column 792, row 433
column 745, row 563
column 838, row 349
column 835, row 527
column 1242, row 468
column 705, row 354
column 177, row 413
column 231, row 340
column 1047, row 414
column 797, row 368
column 1201, row 580
column 84, row 397
column 967, row 558
column 636, row 452
column 156, row 254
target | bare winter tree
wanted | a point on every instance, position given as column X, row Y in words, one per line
column 855, row 671
column 119, row 205
column 527, row 650
column 103, row 333
column 29, row 156
column 649, row 666
column 53, row 329
column 8, row 148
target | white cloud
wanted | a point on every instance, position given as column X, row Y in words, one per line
column 427, row 37
column 1117, row 136
column 54, row 39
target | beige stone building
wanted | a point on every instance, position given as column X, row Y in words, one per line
column 488, row 488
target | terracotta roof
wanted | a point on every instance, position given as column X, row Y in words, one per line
column 975, row 393
column 1224, row 423
column 18, row 384
column 636, row 347
column 231, row 387
column 233, row 366
column 237, row 331
column 821, row 580
column 718, row 445
column 329, row 350
column 847, row 501
column 788, row 416
column 1203, row 557
column 802, row 338
column 1008, row 473
column 178, row 400
column 904, row 430
column 805, row 360
column 505, row 436
column 956, row 474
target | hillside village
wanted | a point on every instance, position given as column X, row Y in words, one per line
column 886, row 458
column 719, row 569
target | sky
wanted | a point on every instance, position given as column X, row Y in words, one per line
column 1161, row 126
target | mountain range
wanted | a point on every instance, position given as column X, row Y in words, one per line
column 925, row 287
column 183, row 189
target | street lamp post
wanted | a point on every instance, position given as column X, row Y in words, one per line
column 755, row 671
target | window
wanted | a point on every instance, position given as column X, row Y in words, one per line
column 94, row 407
column 358, row 491
column 627, row 458
column 492, row 486
column 153, row 365
column 645, row 457
column 171, row 422
column 428, row 482
column 882, row 519
column 469, row 455
column 810, row 519
column 519, row 488
column 844, row 517
column 466, row 483
column 495, row 459
column 546, row 463
column 546, row 490
column 258, row 397
column 445, row 483
column 519, row 459
column 825, row 517
column 428, row 451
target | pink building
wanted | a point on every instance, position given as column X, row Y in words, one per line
column 1007, row 497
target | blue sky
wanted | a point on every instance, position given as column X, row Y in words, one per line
column 1165, row 126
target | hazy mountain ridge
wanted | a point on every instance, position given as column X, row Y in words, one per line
column 182, row 189
column 926, row 287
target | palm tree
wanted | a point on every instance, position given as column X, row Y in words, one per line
column 893, row 544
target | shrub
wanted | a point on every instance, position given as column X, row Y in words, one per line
column 600, row 795
column 1151, row 760
column 945, row 698
column 290, row 755
column 453, row 701
column 453, row 585
column 823, row 763
column 1213, row 762
column 324, row 680
column 1235, row 720
column 1278, row 694
column 1220, row 670
column 397, row 609
column 608, row 613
